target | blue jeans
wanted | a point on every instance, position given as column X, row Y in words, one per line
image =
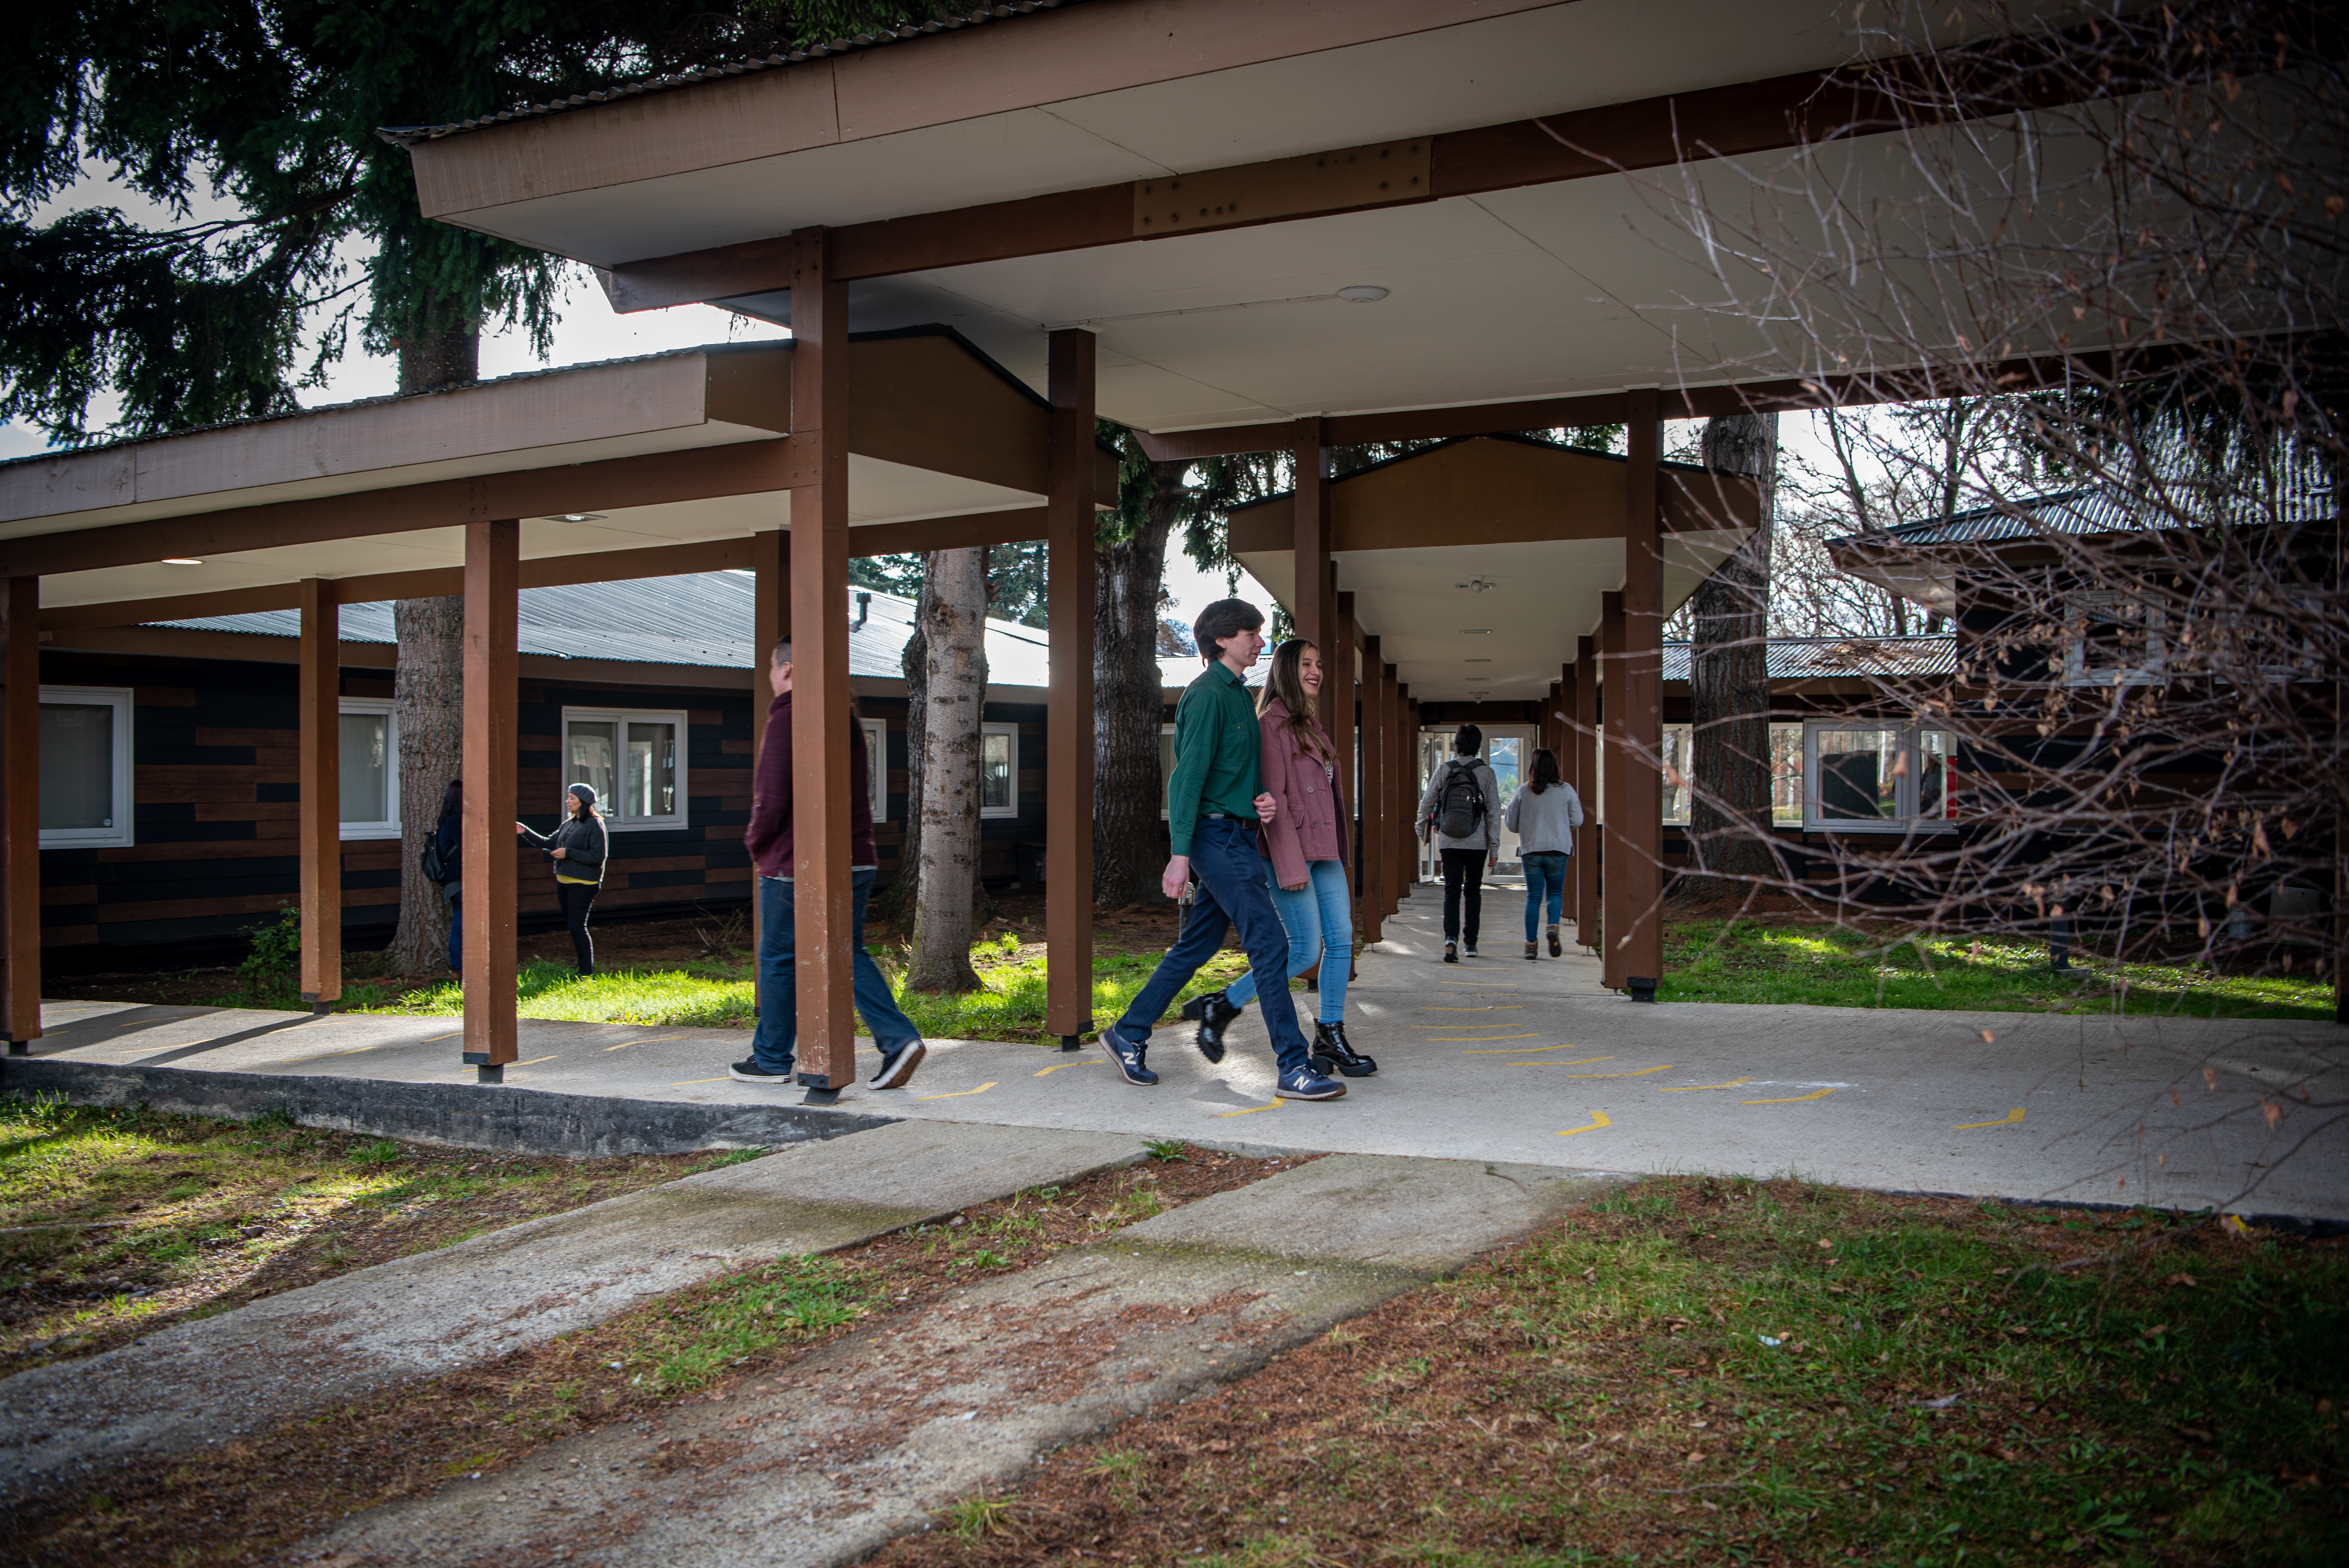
column 1544, row 872
column 779, row 987
column 1231, row 893
column 1319, row 919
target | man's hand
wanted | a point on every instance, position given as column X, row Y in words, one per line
column 1265, row 805
column 1179, row 873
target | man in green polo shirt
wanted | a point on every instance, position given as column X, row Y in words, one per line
column 1215, row 802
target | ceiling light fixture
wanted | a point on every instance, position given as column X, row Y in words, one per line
column 574, row 517
column 1475, row 660
column 182, row 561
column 1475, row 631
column 1362, row 293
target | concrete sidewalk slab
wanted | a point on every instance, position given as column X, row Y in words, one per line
column 193, row 1382
column 862, row 1440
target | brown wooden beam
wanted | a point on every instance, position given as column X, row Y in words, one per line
column 771, row 623
column 970, row 533
column 1635, row 725
column 20, row 813
column 1582, row 771
column 1311, row 597
column 320, row 891
column 1369, row 798
column 1337, row 697
column 1070, row 581
column 493, row 787
column 823, row 896
column 1402, row 793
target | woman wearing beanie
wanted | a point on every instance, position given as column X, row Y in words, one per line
column 1305, row 849
column 576, row 851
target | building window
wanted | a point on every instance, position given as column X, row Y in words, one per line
column 2114, row 639
column 368, row 766
column 1786, row 774
column 1677, row 760
column 876, row 766
column 85, row 767
column 998, row 771
column 634, row 762
column 1881, row 777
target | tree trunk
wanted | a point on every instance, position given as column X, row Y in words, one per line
column 954, row 623
column 1729, row 679
column 427, row 686
column 905, row 896
column 1128, row 853
column 427, row 705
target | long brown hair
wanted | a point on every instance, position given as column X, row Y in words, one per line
column 1546, row 771
column 1285, row 686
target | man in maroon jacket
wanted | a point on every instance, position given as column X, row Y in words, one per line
column 769, row 840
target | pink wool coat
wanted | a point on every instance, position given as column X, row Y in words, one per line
column 1310, row 822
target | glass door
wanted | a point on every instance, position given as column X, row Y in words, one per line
column 1509, row 752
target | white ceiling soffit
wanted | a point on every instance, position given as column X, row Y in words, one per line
column 1452, row 644
column 987, row 115
column 878, row 492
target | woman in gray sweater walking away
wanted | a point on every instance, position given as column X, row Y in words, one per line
column 1543, row 815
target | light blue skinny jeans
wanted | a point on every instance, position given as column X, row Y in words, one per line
column 1320, row 921
column 1544, row 883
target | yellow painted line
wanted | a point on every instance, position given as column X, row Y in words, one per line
column 2009, row 1120
column 1080, row 1062
column 1598, row 1118
column 957, row 1094
column 1692, row 1088
column 647, row 1040
column 1528, row 1034
column 1554, row 1062
column 1548, row 1062
column 691, row 1082
column 1251, row 1110
column 1790, row 1099
column 1480, row 985
column 451, row 1035
column 532, row 1063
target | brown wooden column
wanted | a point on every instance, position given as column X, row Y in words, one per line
column 1585, row 779
column 822, row 895
column 1634, row 876
column 1376, row 807
column 1338, row 661
column 492, row 769
column 1411, row 781
column 321, row 887
column 771, row 623
column 20, row 811
column 1312, row 599
column 1400, row 796
column 1071, row 570
column 1611, row 773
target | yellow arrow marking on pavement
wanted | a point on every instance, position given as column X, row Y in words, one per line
column 1598, row 1118
column 451, row 1035
column 1790, row 1099
column 691, row 1082
column 1487, row 1008
column 532, row 1063
column 1251, row 1110
column 1082, row 1062
column 647, row 1040
column 2009, row 1120
column 1692, row 1088
column 1528, row 1050
column 1528, row 1034
column 1554, row 1062
column 957, row 1094
column 1480, row 985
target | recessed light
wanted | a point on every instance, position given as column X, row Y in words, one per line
column 1475, row 660
column 1362, row 293
column 1475, row 631
column 574, row 517
column 182, row 561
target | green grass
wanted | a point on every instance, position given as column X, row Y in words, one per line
column 1717, row 960
column 789, row 1302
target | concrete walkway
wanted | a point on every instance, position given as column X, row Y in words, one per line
column 1529, row 1062
column 864, row 1438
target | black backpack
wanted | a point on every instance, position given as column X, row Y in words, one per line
column 436, row 869
column 1461, row 804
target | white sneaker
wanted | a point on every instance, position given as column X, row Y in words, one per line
column 898, row 1068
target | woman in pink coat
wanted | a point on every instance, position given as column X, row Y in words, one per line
column 1306, row 846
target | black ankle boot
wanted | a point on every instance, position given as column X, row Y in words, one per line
column 1332, row 1054
column 1213, row 1013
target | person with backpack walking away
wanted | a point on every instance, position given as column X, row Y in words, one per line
column 1305, row 867
column 1457, row 813
column 1543, row 815
column 1214, row 808
column 774, row 1044
column 576, row 849
column 444, row 855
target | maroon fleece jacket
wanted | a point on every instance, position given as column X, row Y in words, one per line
column 769, row 836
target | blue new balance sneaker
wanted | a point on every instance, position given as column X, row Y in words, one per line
column 1128, row 1056
column 1304, row 1083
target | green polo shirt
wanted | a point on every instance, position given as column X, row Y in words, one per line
column 1216, row 754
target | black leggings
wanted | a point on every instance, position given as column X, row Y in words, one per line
column 1464, row 873
column 576, row 899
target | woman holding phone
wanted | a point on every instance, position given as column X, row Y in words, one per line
column 576, row 849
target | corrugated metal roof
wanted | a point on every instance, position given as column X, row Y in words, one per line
column 1826, row 658
column 407, row 135
column 701, row 620
column 2303, row 494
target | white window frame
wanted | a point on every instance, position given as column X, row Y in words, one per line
column 623, row 716
column 1013, row 731
column 382, row 705
column 2078, row 672
column 120, row 699
column 1683, row 760
column 1905, row 819
column 1165, row 775
column 877, row 766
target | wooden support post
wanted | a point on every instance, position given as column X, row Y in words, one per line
column 321, row 887
column 1377, row 804
column 1400, row 796
column 20, row 811
column 1071, row 570
column 491, row 764
column 1635, row 885
column 1313, row 605
column 1338, row 660
column 1413, row 782
column 771, row 623
column 1585, row 779
column 1611, row 773
column 823, row 895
